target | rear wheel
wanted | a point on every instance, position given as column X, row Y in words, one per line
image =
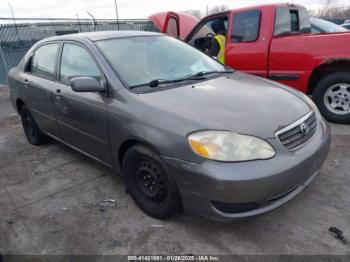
column 332, row 96
column 31, row 129
column 150, row 184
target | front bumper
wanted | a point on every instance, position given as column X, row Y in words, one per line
column 263, row 184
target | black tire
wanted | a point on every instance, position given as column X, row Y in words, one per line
column 149, row 183
column 321, row 97
column 31, row 129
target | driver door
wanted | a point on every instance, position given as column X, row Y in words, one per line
column 248, row 42
column 202, row 36
column 82, row 116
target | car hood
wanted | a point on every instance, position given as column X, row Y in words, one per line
column 238, row 102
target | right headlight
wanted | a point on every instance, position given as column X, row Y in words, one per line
column 229, row 146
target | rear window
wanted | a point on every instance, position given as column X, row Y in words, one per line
column 292, row 21
column 246, row 26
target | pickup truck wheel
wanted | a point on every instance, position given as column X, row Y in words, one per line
column 150, row 184
column 332, row 96
column 31, row 129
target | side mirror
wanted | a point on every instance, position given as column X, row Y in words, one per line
column 86, row 84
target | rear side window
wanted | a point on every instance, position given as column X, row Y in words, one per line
column 246, row 26
column 76, row 62
column 292, row 21
column 44, row 60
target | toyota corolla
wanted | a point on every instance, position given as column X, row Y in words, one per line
column 184, row 131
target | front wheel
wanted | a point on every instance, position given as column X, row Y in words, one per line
column 332, row 96
column 150, row 184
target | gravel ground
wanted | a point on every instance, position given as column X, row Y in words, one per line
column 4, row 93
column 5, row 106
column 52, row 201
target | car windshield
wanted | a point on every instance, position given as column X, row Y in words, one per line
column 326, row 26
column 143, row 59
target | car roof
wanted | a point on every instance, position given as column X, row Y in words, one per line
column 101, row 35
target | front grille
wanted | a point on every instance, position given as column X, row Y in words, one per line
column 298, row 133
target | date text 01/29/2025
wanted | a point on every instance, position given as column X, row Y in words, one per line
column 173, row 258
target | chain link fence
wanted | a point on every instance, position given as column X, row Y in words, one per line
column 16, row 39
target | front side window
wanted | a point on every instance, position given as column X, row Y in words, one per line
column 44, row 60
column 292, row 21
column 246, row 26
column 142, row 59
column 77, row 62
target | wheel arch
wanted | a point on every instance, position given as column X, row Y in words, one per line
column 19, row 104
column 126, row 145
column 329, row 66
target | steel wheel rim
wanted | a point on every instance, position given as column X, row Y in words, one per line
column 337, row 99
column 149, row 182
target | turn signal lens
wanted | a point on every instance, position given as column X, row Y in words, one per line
column 199, row 148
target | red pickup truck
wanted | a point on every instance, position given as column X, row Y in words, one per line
column 274, row 41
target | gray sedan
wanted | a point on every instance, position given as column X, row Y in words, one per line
column 183, row 130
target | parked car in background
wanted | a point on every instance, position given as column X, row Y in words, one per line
column 183, row 130
column 275, row 42
column 321, row 26
column 346, row 25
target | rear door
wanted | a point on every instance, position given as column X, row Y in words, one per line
column 82, row 117
column 38, row 80
column 248, row 41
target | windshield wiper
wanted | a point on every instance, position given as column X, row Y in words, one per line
column 157, row 82
column 203, row 73
column 196, row 76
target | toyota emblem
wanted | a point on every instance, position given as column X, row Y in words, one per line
column 305, row 128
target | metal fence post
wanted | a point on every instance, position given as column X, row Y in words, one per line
column 3, row 62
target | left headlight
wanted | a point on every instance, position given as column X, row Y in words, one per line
column 229, row 146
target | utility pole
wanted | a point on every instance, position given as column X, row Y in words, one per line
column 14, row 20
column 116, row 12
column 93, row 19
column 207, row 9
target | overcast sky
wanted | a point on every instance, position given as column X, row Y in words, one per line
column 127, row 8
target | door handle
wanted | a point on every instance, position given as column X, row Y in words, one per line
column 58, row 93
column 25, row 82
